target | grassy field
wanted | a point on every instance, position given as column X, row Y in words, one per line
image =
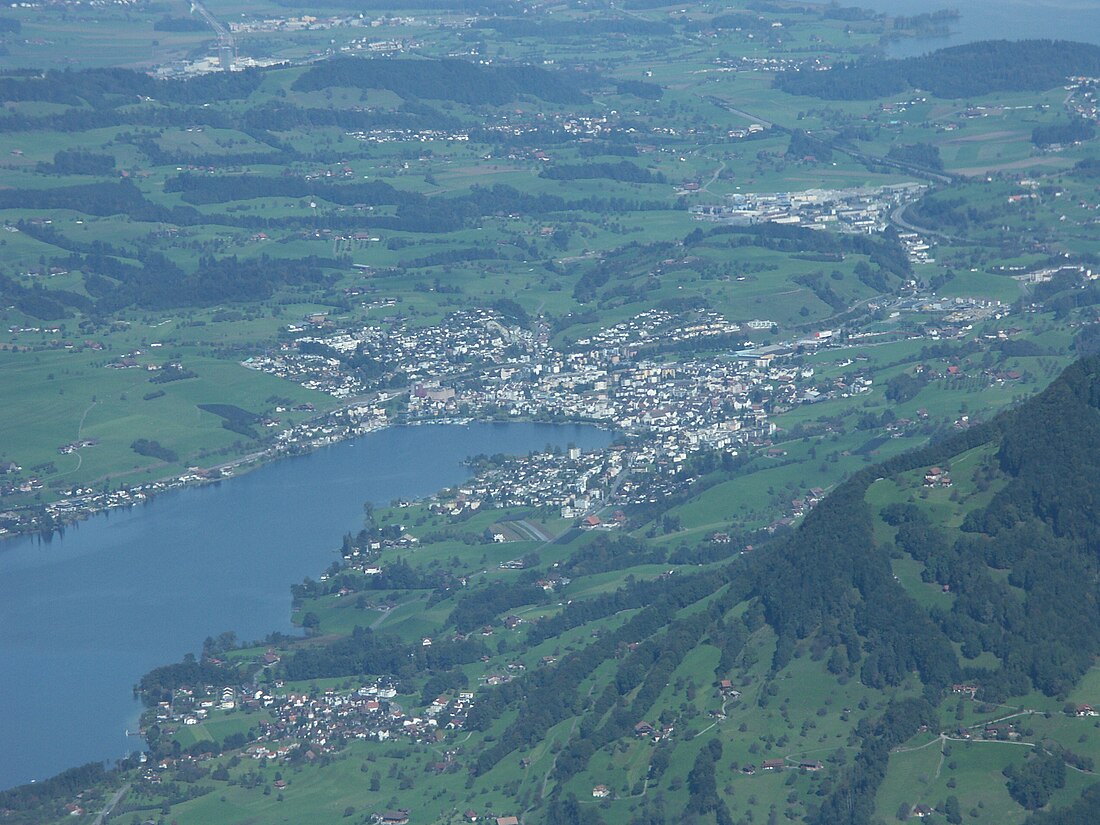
column 52, row 398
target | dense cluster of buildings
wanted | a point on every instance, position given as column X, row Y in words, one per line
column 476, row 365
column 409, row 135
column 1083, row 101
column 719, row 394
column 332, row 363
column 770, row 63
column 309, row 22
column 574, row 482
column 324, row 722
column 318, row 722
column 860, row 209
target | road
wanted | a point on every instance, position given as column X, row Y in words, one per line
column 110, row 806
column 767, row 124
column 897, row 218
column 913, row 169
column 226, row 43
column 721, row 168
column 920, row 171
column 533, row 530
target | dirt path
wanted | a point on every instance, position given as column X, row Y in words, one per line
column 725, row 702
column 919, row 747
column 554, row 761
column 943, row 756
column 532, row 530
column 721, row 168
column 83, row 418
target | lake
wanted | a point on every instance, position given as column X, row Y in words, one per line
column 84, row 615
column 997, row 20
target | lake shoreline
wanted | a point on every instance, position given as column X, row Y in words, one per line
column 131, row 497
column 85, row 614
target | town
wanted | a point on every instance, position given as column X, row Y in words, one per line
column 670, row 384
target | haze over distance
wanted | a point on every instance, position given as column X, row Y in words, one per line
column 608, row 413
column 997, row 19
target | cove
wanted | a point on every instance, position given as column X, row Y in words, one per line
column 85, row 614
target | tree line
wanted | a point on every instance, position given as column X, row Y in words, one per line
column 624, row 171
column 449, row 79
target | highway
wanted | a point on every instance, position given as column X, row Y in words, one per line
column 913, row 169
column 227, row 45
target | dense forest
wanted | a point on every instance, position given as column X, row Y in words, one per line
column 1072, row 131
column 803, row 145
column 456, row 80
column 924, row 155
column 1041, row 528
column 959, row 71
column 79, row 162
column 52, row 793
column 180, row 24
column 153, row 449
column 1081, row 812
column 368, row 652
column 639, row 88
column 110, row 88
column 624, row 171
column 733, row 20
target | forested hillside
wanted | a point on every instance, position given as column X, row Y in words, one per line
column 1012, row 566
column 959, row 71
column 923, row 602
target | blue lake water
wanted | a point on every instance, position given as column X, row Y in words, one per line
column 996, row 20
column 84, row 615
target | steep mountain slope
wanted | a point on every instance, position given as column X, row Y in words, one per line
column 1007, row 552
column 997, row 561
